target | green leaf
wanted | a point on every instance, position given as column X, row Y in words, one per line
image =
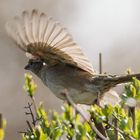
column 107, row 111
column 29, row 86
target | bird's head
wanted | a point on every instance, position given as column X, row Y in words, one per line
column 34, row 65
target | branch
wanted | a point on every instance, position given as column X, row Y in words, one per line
column 132, row 114
column 116, row 130
column 68, row 98
column 34, row 104
column 122, row 132
column 0, row 120
column 30, row 113
column 29, row 125
column 98, row 125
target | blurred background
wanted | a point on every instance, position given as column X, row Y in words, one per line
column 108, row 26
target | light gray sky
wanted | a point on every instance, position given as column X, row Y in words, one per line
column 108, row 26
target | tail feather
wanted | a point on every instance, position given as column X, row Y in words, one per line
column 105, row 83
column 125, row 78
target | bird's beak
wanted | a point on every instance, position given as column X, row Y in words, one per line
column 27, row 67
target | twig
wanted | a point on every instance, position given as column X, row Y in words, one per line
column 116, row 130
column 0, row 120
column 98, row 125
column 83, row 116
column 122, row 132
column 100, row 63
column 34, row 104
column 31, row 113
column 29, row 125
column 22, row 132
column 132, row 114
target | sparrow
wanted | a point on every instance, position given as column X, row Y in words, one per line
column 57, row 60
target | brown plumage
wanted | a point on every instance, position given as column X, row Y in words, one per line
column 57, row 60
column 46, row 39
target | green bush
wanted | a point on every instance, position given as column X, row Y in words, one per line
column 121, row 122
column 2, row 127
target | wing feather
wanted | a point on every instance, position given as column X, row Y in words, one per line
column 27, row 26
column 47, row 39
column 35, row 25
column 21, row 30
column 42, row 27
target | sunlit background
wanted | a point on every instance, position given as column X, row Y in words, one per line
column 108, row 26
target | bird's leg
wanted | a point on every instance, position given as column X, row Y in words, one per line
column 98, row 98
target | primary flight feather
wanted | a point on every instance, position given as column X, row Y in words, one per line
column 46, row 39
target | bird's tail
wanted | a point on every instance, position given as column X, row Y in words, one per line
column 109, row 97
column 124, row 79
column 108, row 82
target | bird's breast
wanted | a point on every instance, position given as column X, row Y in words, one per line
column 78, row 96
column 58, row 79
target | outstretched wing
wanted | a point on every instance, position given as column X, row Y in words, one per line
column 46, row 39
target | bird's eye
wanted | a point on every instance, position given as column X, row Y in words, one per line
column 44, row 64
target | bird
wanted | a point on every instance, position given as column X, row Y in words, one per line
column 57, row 60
